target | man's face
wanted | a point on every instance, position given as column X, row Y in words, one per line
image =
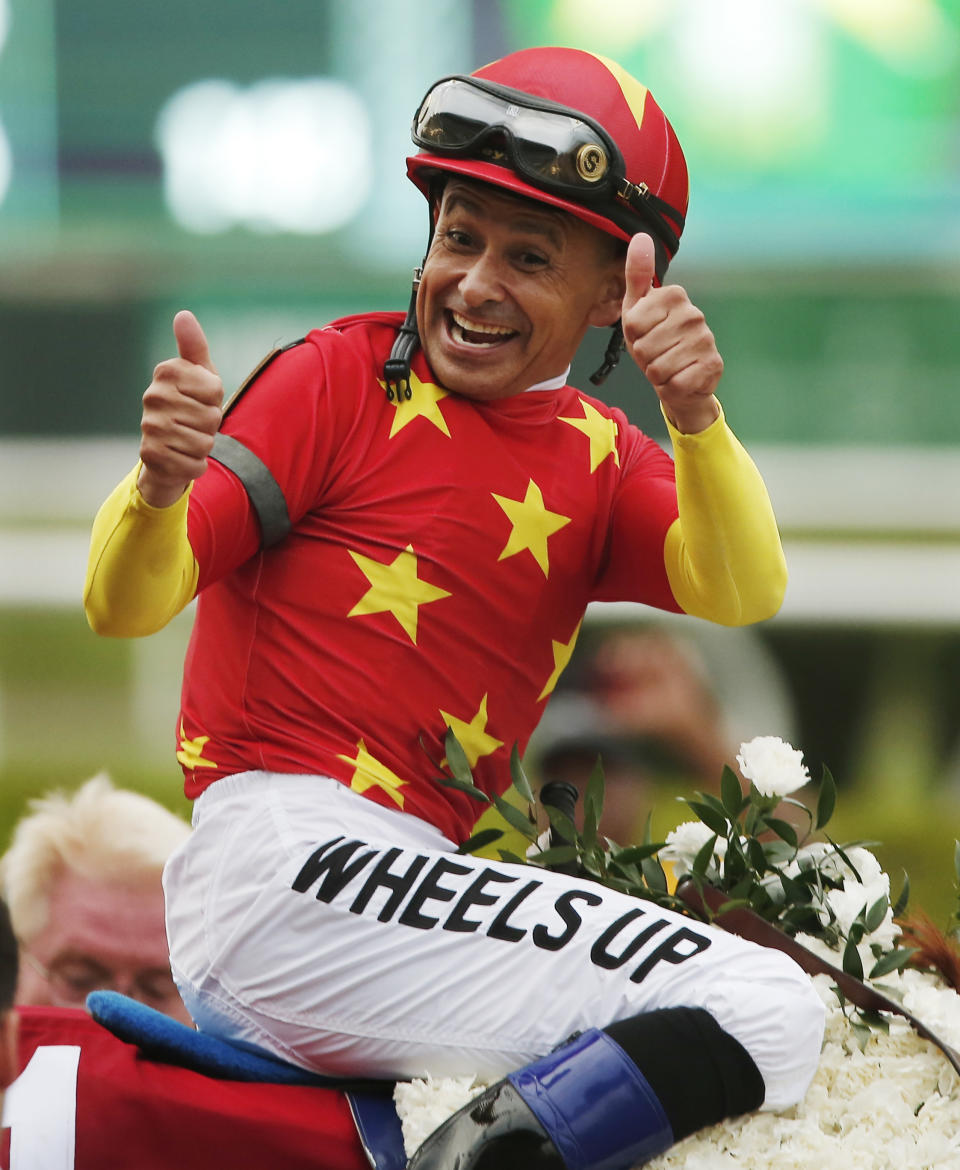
column 509, row 288
column 100, row 935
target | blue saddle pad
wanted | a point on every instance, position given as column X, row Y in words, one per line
column 162, row 1038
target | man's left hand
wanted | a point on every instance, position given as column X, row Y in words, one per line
column 668, row 337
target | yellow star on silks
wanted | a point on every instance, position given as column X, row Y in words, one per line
column 533, row 525
column 600, row 430
column 395, row 588
column 561, row 656
column 370, row 773
column 473, row 736
column 191, row 751
column 422, row 402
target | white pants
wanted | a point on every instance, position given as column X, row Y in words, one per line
column 352, row 939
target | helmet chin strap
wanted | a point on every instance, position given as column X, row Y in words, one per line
column 396, row 369
column 615, row 347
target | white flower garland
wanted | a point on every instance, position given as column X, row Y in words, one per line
column 893, row 1106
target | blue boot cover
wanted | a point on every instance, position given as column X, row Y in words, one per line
column 595, row 1104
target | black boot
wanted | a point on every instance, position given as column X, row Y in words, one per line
column 495, row 1131
column 585, row 1106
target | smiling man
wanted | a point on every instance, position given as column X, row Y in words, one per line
column 395, row 530
column 508, row 291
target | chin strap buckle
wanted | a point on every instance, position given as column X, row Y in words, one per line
column 396, row 369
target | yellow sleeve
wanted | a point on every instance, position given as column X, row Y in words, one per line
column 723, row 555
column 141, row 570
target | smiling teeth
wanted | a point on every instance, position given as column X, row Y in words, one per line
column 480, row 326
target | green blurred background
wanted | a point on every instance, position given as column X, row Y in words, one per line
column 246, row 160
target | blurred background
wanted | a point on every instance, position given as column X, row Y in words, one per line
column 246, row 160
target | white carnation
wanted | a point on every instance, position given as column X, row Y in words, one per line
column 775, row 768
column 685, row 842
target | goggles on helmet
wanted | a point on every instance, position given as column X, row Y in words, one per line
column 553, row 147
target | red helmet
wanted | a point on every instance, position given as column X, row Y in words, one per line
column 564, row 127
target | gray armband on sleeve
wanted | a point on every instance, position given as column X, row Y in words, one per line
column 262, row 489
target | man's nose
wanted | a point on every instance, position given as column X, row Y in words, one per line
column 482, row 280
column 126, row 983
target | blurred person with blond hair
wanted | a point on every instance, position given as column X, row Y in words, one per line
column 8, row 1017
column 82, row 880
column 74, row 1096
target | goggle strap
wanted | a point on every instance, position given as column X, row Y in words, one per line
column 654, row 210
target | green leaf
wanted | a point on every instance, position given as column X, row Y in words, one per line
column 480, row 840
column 763, row 904
column 592, row 861
column 457, row 758
column 704, row 855
column 712, row 801
column 894, row 960
column 862, row 1034
column 901, row 903
column 734, row 864
column 593, row 804
column 516, row 818
column 742, row 888
column 827, row 799
column 857, row 930
column 844, row 858
column 778, row 852
column 715, row 821
column 851, row 960
column 634, row 853
column 796, row 892
column 630, row 874
column 511, row 857
column 876, row 914
column 757, row 856
column 733, row 904
column 466, row 786
column 731, row 793
column 557, row 855
column 562, row 825
column 874, row 1019
column 653, row 875
column 956, row 858
column 784, row 830
column 519, row 776
column 796, row 919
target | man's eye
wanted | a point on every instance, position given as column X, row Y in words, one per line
column 458, row 238
column 81, row 980
column 533, row 260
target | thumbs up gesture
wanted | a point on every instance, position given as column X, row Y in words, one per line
column 670, row 341
column 181, row 416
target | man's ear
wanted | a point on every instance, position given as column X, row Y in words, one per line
column 9, row 1057
column 609, row 304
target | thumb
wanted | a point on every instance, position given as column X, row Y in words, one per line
column 640, row 268
column 191, row 340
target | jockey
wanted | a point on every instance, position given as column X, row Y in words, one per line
column 393, row 532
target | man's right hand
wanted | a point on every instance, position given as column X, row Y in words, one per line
column 182, row 409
